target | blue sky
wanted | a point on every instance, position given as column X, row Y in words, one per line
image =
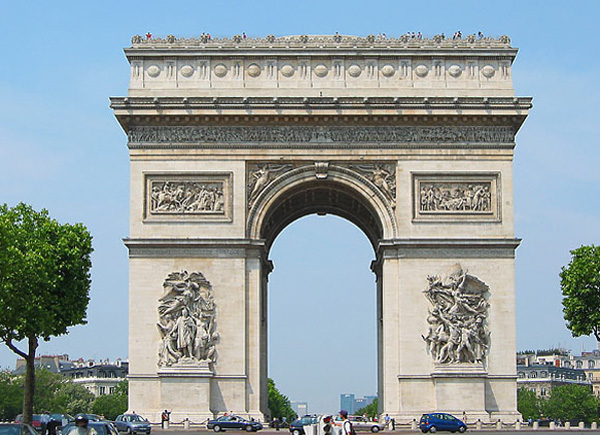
column 61, row 148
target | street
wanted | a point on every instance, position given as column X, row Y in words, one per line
column 179, row 431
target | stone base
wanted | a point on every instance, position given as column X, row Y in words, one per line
column 188, row 368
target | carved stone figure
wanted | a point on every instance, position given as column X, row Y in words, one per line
column 457, row 330
column 383, row 176
column 186, row 323
column 183, row 197
column 456, row 197
column 260, row 176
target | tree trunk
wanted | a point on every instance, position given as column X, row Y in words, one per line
column 29, row 381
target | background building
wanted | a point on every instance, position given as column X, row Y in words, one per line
column 99, row 377
column 351, row 403
column 300, row 408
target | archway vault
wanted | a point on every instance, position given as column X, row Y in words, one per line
column 321, row 188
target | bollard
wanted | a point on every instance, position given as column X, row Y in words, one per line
column 518, row 425
column 499, row 425
column 552, row 425
column 413, row 424
column 479, row 424
column 581, row 425
column 186, row 424
column 567, row 425
column 536, row 425
column 166, row 424
column 594, row 425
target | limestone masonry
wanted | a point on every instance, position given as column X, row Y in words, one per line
column 231, row 140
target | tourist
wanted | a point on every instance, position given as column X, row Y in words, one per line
column 387, row 420
column 82, row 427
column 44, row 420
column 346, row 425
column 165, row 416
column 148, row 35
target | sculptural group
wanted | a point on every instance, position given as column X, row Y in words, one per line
column 186, row 320
column 458, row 331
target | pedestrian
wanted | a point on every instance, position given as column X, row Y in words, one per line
column 44, row 420
column 148, row 35
column 393, row 424
column 386, row 419
column 276, row 423
column 464, row 417
column 346, row 425
column 82, row 427
column 244, row 35
column 164, row 417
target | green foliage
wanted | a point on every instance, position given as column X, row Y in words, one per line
column 279, row 405
column 110, row 405
column 11, row 396
column 571, row 402
column 371, row 409
column 580, row 284
column 44, row 282
column 55, row 393
column 528, row 404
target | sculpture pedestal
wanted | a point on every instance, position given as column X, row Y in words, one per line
column 464, row 380
column 185, row 390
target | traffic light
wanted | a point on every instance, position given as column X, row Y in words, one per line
column 326, row 425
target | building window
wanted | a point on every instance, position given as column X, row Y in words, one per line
column 591, row 376
column 533, row 375
column 543, row 391
column 543, row 374
column 102, row 390
column 579, row 364
column 591, row 364
column 521, row 374
column 111, row 390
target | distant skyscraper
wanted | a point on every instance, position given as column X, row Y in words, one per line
column 300, row 408
column 347, row 402
column 352, row 404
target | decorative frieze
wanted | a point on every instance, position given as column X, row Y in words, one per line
column 458, row 331
column 456, row 197
column 188, row 196
column 382, row 175
column 186, row 324
column 319, row 134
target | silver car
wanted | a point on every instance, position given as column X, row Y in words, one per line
column 362, row 424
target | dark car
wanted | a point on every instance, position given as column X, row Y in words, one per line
column 16, row 429
column 35, row 421
column 101, row 427
column 233, row 422
column 297, row 426
column 440, row 421
column 132, row 423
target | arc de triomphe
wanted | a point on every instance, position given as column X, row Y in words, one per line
column 231, row 140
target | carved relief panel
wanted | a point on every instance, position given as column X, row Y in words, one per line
column 456, row 197
column 458, row 331
column 188, row 197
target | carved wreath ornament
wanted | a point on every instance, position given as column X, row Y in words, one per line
column 458, row 331
column 186, row 323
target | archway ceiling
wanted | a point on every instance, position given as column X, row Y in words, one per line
column 321, row 197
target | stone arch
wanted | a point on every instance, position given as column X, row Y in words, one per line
column 330, row 189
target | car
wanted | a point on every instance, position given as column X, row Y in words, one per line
column 101, row 427
column 297, row 426
column 16, row 429
column 441, row 421
column 363, row 424
column 35, row 421
column 132, row 423
column 233, row 422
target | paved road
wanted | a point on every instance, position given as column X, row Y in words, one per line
column 179, row 431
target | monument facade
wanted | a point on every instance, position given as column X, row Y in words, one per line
column 411, row 139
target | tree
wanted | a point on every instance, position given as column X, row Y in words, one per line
column 279, row 405
column 112, row 405
column 528, row 404
column 44, row 282
column 580, row 284
column 571, row 402
column 371, row 409
column 11, row 396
